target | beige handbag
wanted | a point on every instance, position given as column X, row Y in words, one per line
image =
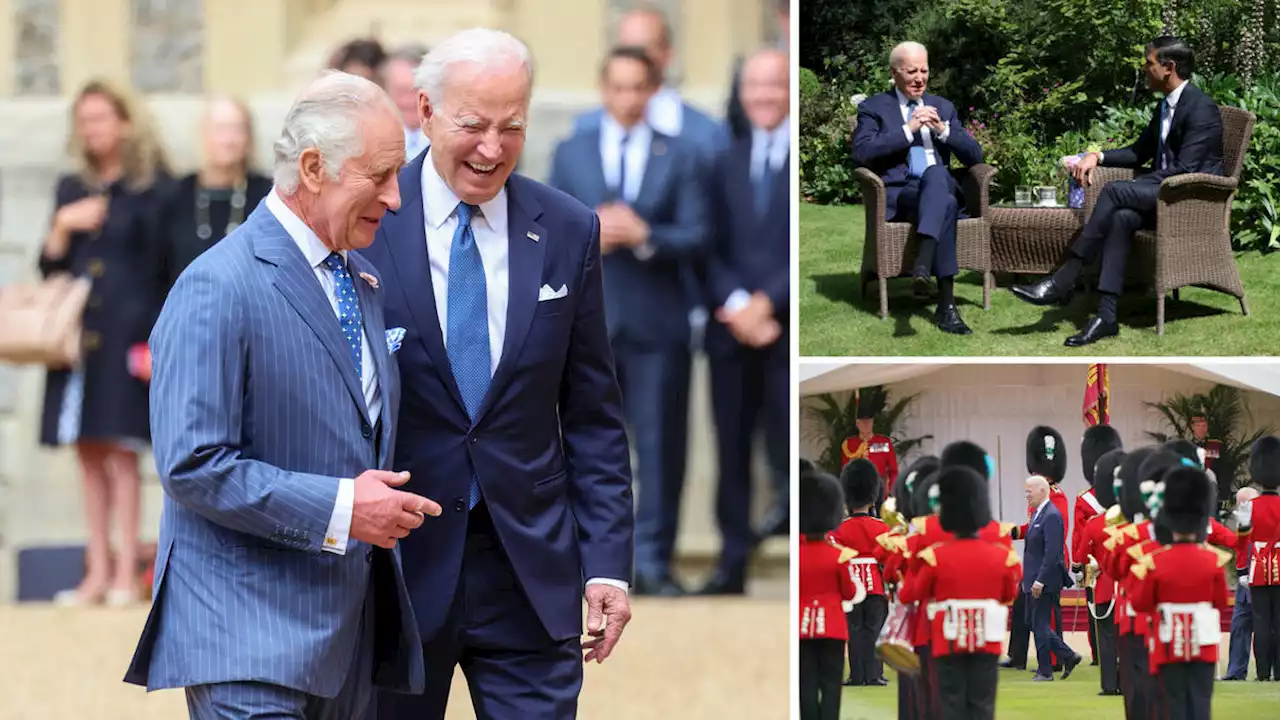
column 40, row 324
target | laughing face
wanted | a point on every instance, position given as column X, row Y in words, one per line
column 477, row 127
column 346, row 211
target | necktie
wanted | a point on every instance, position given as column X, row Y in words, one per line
column 621, row 191
column 1164, row 115
column 917, row 160
column 349, row 318
column 764, row 180
column 467, row 340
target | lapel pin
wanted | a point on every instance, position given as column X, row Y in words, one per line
column 532, row 236
column 373, row 281
column 659, row 148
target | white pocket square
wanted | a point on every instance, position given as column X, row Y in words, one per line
column 394, row 337
column 546, row 293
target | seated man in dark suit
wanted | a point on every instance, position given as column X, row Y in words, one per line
column 1043, row 577
column 1184, row 136
column 907, row 138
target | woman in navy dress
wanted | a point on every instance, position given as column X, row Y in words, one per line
column 104, row 229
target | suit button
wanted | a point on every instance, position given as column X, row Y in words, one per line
column 366, row 431
column 459, row 505
column 95, row 302
column 96, row 267
column 368, row 556
column 92, row 340
column 474, row 439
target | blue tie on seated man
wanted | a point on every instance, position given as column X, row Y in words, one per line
column 908, row 137
column 1184, row 136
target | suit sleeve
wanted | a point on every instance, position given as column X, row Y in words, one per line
column 872, row 142
column 1140, row 152
column 1202, row 139
column 593, row 435
column 1052, row 548
column 966, row 148
column 722, row 271
column 200, row 357
column 559, row 179
column 64, row 194
column 685, row 235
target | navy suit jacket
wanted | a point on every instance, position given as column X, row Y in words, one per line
column 749, row 251
column 1042, row 555
column 1194, row 143
column 548, row 445
column 880, row 145
column 647, row 300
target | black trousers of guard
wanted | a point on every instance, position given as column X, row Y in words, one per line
column 1266, row 630
column 967, row 686
column 865, row 621
column 1135, row 678
column 821, row 670
column 1108, row 659
column 1186, row 690
column 1093, row 626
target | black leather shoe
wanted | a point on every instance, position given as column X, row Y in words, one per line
column 1009, row 665
column 1094, row 330
column 1093, row 663
column 658, row 586
column 850, row 682
column 1045, row 292
column 726, row 582
column 878, row 682
column 923, row 288
column 1041, row 678
column 1069, row 665
column 1109, row 693
column 777, row 523
column 947, row 318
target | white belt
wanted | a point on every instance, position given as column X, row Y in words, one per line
column 864, row 561
column 1206, row 622
column 1265, row 545
column 994, row 617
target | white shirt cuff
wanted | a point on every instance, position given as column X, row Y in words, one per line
column 339, row 530
column 643, row 252
column 1100, row 156
column 1037, row 584
column 737, row 300
column 946, row 132
column 624, row 586
column 907, row 129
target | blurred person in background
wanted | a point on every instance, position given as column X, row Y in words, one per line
column 735, row 116
column 362, row 56
column 645, row 187
column 397, row 79
column 104, row 228
column 203, row 207
column 749, row 285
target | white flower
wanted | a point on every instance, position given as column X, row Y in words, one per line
column 857, row 99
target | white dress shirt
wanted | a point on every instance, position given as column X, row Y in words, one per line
column 1172, row 100
column 414, row 143
column 339, row 530
column 926, row 135
column 778, row 142
column 635, row 157
column 490, row 229
column 665, row 111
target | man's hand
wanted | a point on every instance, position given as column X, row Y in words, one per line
column 923, row 116
column 1037, row 587
column 82, row 215
column 380, row 515
column 1082, row 171
column 620, row 227
column 752, row 325
column 608, row 612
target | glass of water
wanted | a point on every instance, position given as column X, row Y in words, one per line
column 1022, row 195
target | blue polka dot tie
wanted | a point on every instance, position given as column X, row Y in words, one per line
column 467, row 328
column 348, row 309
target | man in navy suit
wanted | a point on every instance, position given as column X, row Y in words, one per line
column 510, row 414
column 646, row 191
column 749, row 285
column 908, row 137
column 1044, row 575
column 1184, row 136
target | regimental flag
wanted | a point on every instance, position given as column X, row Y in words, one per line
column 1097, row 396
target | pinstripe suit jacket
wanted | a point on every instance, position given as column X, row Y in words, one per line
column 256, row 412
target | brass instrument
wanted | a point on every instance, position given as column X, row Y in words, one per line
column 1091, row 572
column 891, row 517
column 1114, row 516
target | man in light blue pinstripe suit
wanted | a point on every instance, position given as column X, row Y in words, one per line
column 278, row 587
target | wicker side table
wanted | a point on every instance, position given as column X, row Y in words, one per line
column 1028, row 239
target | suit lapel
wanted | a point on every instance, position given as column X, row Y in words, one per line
column 296, row 280
column 656, row 168
column 594, row 167
column 406, row 236
column 375, row 331
column 525, row 258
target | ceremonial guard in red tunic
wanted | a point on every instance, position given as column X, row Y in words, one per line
column 1183, row 587
column 861, row 482
column 966, row 585
column 867, row 445
column 1200, row 436
column 1088, row 548
column 1098, row 440
column 825, row 583
column 1260, row 528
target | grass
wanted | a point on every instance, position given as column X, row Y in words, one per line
column 835, row 321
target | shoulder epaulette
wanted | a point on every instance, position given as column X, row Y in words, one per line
column 885, row 539
column 919, row 523
column 1146, row 562
column 1224, row 556
column 1131, row 530
column 1135, row 552
column 1111, row 542
column 929, row 556
column 1012, row 558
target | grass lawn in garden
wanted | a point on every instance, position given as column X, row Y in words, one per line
column 836, row 321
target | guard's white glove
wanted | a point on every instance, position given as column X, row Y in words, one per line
column 1242, row 580
column 1078, row 576
column 1244, row 515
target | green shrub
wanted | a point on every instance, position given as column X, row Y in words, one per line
column 826, row 163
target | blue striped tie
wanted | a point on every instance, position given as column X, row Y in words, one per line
column 467, row 333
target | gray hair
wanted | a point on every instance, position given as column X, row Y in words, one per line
column 326, row 117
column 479, row 46
column 902, row 49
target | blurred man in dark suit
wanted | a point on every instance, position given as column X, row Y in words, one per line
column 749, row 285
column 908, row 137
column 1184, row 136
column 735, row 116
column 647, row 190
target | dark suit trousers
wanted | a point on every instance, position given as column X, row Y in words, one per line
column 1241, row 635
column 1186, row 690
column 821, row 665
column 514, row 669
column 1123, row 208
column 1020, row 629
column 750, row 392
column 967, row 686
column 1108, row 657
column 1135, row 677
column 933, row 203
column 1048, row 641
column 865, row 621
column 1266, row 629
column 655, row 397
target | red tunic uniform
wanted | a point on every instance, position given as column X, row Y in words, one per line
column 879, row 450
column 1184, row 588
column 824, row 583
column 966, row 585
column 1120, row 550
column 1212, row 451
column 1059, row 500
column 929, row 532
column 859, row 533
column 1087, row 507
column 1091, row 537
column 1263, row 538
column 1222, row 536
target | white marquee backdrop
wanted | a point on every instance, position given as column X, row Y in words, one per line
column 997, row 405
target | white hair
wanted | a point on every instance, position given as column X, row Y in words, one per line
column 1038, row 482
column 903, row 49
column 478, row 46
column 327, row 116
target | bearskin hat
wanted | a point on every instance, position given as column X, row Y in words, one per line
column 821, row 503
column 866, row 412
column 920, row 506
column 963, row 505
column 1098, row 441
column 969, row 455
column 1185, row 448
column 1130, row 499
column 906, row 482
column 807, row 466
column 1184, row 505
column 1046, row 453
column 1264, row 462
column 861, row 483
column 1104, row 474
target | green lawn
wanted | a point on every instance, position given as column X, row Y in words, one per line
column 835, row 321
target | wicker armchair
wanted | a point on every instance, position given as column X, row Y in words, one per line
column 1191, row 245
column 889, row 244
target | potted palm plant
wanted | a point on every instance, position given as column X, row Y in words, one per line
column 836, row 420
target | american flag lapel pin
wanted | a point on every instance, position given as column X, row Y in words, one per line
column 532, row 235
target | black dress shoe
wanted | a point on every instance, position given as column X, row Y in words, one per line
column 878, row 682
column 850, row 682
column 1094, row 330
column 1069, row 665
column 658, row 586
column 1009, row 664
column 923, row 288
column 1093, row 663
column 1109, row 693
column 947, row 318
column 777, row 523
column 726, row 582
column 1041, row 678
column 1045, row 292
